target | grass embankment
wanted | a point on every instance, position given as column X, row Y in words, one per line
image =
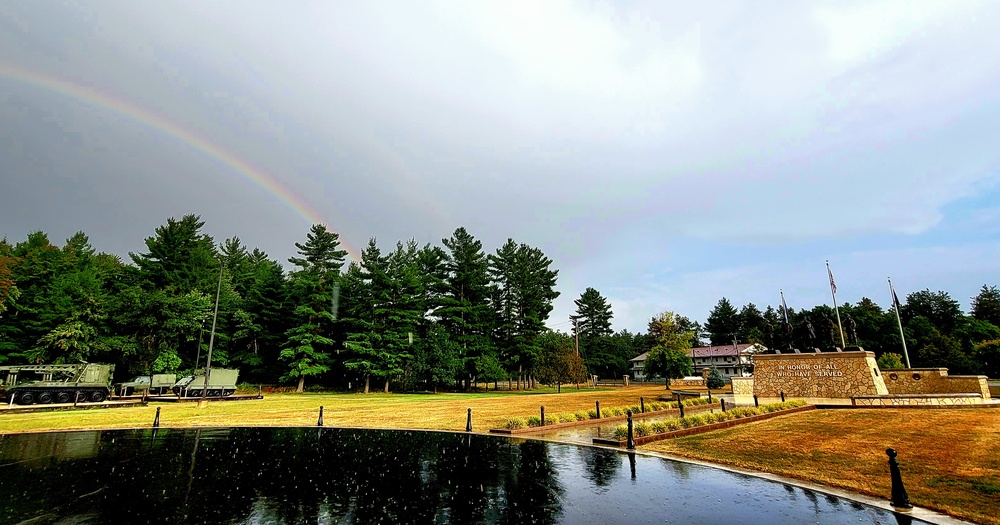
column 948, row 458
column 419, row 411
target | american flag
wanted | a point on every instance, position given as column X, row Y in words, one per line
column 833, row 284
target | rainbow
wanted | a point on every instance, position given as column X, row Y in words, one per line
column 174, row 130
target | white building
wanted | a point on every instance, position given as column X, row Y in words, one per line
column 731, row 360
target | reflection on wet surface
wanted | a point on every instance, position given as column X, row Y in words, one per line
column 310, row 475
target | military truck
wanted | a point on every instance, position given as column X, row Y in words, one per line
column 153, row 385
column 221, row 383
column 67, row 383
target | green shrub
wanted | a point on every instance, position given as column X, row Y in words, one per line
column 658, row 427
column 634, row 408
column 551, row 420
column 513, row 423
column 582, row 415
column 534, row 421
column 592, row 414
column 673, row 424
column 642, row 428
column 567, row 417
column 695, row 421
column 621, row 432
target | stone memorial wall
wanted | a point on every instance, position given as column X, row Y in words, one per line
column 933, row 381
column 828, row 374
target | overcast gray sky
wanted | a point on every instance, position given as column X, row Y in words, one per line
column 666, row 154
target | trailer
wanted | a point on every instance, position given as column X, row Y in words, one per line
column 65, row 383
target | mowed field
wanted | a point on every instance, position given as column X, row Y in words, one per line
column 444, row 411
column 950, row 458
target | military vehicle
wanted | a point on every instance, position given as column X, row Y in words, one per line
column 222, row 382
column 154, row 385
column 68, row 383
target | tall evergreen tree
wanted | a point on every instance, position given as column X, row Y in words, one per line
column 986, row 305
column 723, row 323
column 524, row 288
column 309, row 341
column 465, row 309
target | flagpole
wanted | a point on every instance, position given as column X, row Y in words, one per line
column 833, row 291
column 899, row 321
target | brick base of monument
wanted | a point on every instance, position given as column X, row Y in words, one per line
column 828, row 374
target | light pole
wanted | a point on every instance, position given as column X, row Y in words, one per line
column 211, row 339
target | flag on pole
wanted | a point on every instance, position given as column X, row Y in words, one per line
column 784, row 307
column 895, row 300
column 833, row 284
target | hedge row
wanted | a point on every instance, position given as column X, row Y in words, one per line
column 514, row 423
column 646, row 428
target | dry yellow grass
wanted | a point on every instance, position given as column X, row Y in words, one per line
column 948, row 458
column 419, row 411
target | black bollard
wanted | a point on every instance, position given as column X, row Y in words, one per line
column 468, row 422
column 709, row 397
column 723, row 403
column 260, row 391
column 680, row 405
column 755, row 403
column 319, row 422
column 631, row 439
column 642, row 405
column 598, row 410
column 631, row 463
column 899, row 496
column 543, row 415
column 782, row 397
column 156, row 420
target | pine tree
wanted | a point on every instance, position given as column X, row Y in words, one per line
column 464, row 302
column 309, row 341
column 986, row 305
column 723, row 323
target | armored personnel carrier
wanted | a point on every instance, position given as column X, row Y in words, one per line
column 221, row 383
column 154, row 385
column 67, row 383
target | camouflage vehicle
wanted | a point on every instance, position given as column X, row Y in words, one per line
column 222, row 383
column 68, row 383
column 153, row 385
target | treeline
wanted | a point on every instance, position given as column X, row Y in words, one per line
column 938, row 333
column 406, row 316
column 410, row 315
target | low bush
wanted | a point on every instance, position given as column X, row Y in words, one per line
column 658, row 427
column 567, row 417
column 534, row 421
column 551, row 420
column 592, row 414
column 514, row 423
column 620, row 432
column 642, row 428
column 582, row 415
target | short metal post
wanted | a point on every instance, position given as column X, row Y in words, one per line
column 755, row 403
column 899, row 496
column 468, row 421
column 319, row 422
column 631, row 440
column 543, row 415
column 598, row 410
column 260, row 391
column 782, row 397
column 642, row 405
column 680, row 405
column 156, row 420
column 722, row 401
